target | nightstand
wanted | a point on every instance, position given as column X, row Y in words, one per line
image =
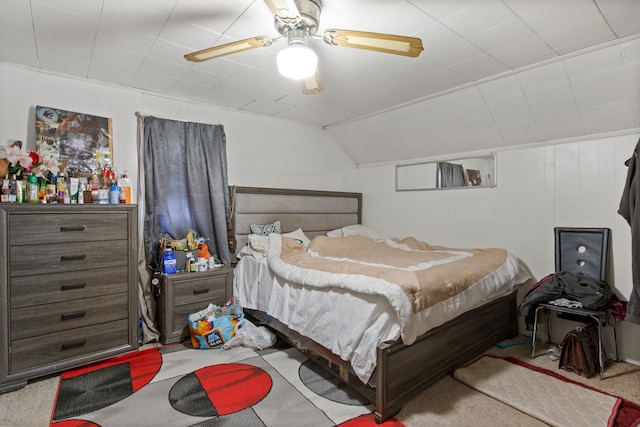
column 185, row 293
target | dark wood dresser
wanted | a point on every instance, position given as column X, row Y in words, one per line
column 68, row 286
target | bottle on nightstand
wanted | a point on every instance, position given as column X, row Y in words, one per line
column 169, row 262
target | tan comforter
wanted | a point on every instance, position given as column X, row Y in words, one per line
column 426, row 274
column 395, row 288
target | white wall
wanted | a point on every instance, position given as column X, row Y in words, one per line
column 261, row 151
column 570, row 184
column 566, row 184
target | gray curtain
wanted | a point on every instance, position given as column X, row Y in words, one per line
column 182, row 185
column 451, row 175
column 186, row 186
column 146, row 298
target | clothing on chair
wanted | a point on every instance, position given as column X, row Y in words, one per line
column 592, row 293
column 631, row 213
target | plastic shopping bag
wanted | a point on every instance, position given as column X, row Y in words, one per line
column 249, row 335
column 214, row 326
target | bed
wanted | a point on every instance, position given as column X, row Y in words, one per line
column 358, row 336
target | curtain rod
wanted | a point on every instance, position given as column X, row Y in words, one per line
column 142, row 116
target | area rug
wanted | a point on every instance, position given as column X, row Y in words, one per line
column 177, row 386
column 547, row 395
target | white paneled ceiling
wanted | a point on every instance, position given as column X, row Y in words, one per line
column 494, row 73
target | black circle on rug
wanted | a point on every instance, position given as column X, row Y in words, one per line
column 220, row 390
column 93, row 387
column 325, row 384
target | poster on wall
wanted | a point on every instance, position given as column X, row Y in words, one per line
column 85, row 141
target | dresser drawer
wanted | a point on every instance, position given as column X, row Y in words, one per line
column 45, row 319
column 33, row 353
column 27, row 291
column 28, row 229
column 210, row 289
column 59, row 258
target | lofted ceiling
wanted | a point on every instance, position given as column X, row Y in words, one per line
column 493, row 73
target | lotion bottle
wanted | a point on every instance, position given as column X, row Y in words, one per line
column 125, row 187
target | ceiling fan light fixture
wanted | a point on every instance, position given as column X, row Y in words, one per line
column 297, row 61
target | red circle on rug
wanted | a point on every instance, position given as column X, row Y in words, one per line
column 74, row 423
column 369, row 420
column 228, row 388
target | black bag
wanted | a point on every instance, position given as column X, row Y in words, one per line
column 579, row 351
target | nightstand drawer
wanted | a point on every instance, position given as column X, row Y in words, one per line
column 58, row 258
column 49, row 318
column 200, row 289
column 186, row 293
column 33, row 353
column 28, row 291
column 181, row 315
column 27, row 229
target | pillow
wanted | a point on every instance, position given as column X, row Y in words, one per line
column 335, row 233
column 359, row 230
column 299, row 236
column 265, row 229
column 258, row 243
column 354, row 230
column 257, row 247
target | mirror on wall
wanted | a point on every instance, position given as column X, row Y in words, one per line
column 467, row 172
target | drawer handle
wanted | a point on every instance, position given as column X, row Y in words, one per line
column 74, row 228
column 200, row 291
column 74, row 315
column 72, row 257
column 73, row 345
column 72, row 287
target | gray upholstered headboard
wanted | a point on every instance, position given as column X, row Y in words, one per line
column 315, row 212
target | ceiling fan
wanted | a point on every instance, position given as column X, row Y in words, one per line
column 297, row 21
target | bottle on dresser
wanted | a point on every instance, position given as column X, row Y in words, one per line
column 94, row 186
column 125, row 188
column 61, row 181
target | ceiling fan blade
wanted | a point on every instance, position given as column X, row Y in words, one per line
column 387, row 43
column 312, row 85
column 284, row 10
column 229, row 48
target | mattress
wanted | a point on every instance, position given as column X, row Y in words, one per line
column 350, row 324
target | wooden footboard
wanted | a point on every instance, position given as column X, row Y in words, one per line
column 403, row 370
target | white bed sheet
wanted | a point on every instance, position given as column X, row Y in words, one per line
column 351, row 325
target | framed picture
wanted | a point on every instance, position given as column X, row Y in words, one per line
column 81, row 140
column 473, row 177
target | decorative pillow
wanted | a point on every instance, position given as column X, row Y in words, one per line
column 299, row 236
column 265, row 229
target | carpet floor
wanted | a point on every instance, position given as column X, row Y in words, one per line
column 447, row 402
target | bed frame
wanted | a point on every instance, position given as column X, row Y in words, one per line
column 402, row 370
